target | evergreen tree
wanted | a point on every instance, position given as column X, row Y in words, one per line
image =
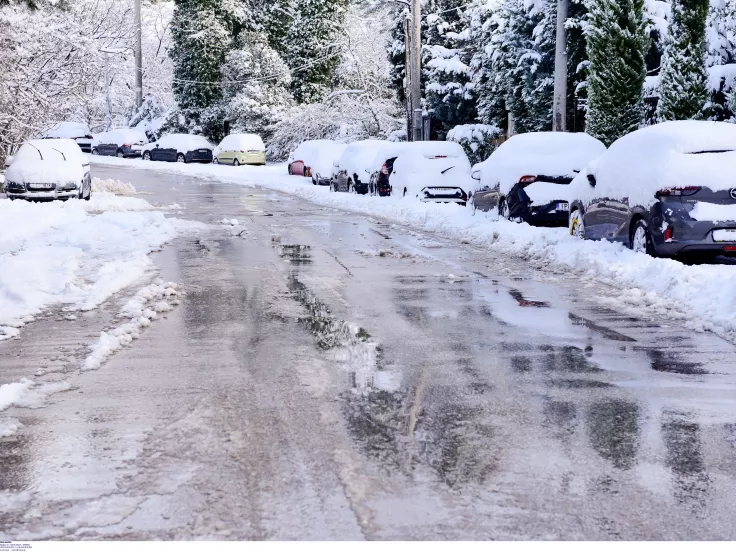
column 397, row 55
column 447, row 52
column 617, row 48
column 721, row 58
column 200, row 38
column 311, row 46
column 683, row 90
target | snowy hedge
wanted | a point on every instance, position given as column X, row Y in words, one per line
column 478, row 141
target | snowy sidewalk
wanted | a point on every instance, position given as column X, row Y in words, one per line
column 76, row 254
column 702, row 297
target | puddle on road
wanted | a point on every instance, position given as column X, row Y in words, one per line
column 664, row 361
column 524, row 302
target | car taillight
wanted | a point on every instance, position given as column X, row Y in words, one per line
column 684, row 191
column 384, row 169
column 729, row 248
column 668, row 234
column 88, row 137
column 126, row 145
column 527, row 179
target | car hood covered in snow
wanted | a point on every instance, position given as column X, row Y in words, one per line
column 67, row 129
column 666, row 155
column 538, row 153
column 56, row 161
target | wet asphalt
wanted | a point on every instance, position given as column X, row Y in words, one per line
column 333, row 376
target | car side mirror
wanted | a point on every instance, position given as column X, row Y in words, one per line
column 475, row 175
column 591, row 180
column 9, row 160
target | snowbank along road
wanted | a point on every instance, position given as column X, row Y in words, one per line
column 325, row 374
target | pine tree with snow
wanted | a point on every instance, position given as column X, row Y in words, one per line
column 200, row 40
column 617, row 46
column 312, row 48
column 683, row 90
column 396, row 49
column 721, row 59
column 446, row 54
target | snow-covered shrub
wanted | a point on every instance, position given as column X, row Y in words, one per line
column 478, row 141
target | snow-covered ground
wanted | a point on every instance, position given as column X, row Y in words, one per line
column 703, row 296
column 75, row 254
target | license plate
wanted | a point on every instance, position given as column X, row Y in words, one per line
column 203, row 151
column 42, row 186
column 562, row 207
column 724, row 235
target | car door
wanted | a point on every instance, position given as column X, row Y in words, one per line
column 607, row 218
column 154, row 152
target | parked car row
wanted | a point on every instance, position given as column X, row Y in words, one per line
column 667, row 189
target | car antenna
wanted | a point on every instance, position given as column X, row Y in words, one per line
column 61, row 152
column 38, row 150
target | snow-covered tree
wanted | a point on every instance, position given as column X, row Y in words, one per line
column 311, row 46
column 200, row 41
column 721, row 58
column 256, row 93
column 617, row 46
column 683, row 90
column 446, row 54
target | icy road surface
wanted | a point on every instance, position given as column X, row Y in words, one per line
column 331, row 376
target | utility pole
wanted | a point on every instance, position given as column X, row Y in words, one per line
column 138, row 56
column 559, row 111
column 416, row 69
column 408, row 72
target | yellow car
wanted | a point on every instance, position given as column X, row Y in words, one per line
column 241, row 149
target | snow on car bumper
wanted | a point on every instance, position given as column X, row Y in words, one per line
column 44, row 195
column 688, row 235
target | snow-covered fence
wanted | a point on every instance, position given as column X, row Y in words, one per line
column 478, row 141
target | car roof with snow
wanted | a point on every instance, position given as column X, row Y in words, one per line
column 67, row 129
column 308, row 147
column 121, row 136
column 183, row 142
column 552, row 154
column 669, row 154
column 242, row 142
column 50, row 149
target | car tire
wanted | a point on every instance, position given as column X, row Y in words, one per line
column 473, row 206
column 236, row 163
column 351, row 187
column 89, row 193
column 315, row 179
column 180, row 158
column 306, row 173
column 120, row 154
column 503, row 209
column 291, row 173
column 146, row 155
column 215, row 161
column 576, row 225
column 640, row 239
column 95, row 152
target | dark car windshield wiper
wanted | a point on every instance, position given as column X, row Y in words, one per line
column 61, row 152
column 447, row 169
column 709, row 151
column 38, row 150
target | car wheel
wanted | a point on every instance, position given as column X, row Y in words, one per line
column 95, row 152
column 315, row 179
column 146, row 156
column 576, row 225
column 236, row 163
column 503, row 209
column 351, row 187
column 404, row 193
column 89, row 193
column 181, row 159
column 306, row 173
column 120, row 154
column 291, row 173
column 641, row 239
column 215, row 161
column 473, row 206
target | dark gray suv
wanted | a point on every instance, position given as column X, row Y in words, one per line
column 667, row 190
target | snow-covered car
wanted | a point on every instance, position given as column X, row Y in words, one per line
column 383, row 163
column 79, row 132
column 180, row 148
column 668, row 190
column 241, row 149
column 351, row 172
column 527, row 177
column 432, row 176
column 299, row 162
column 47, row 169
column 121, row 142
column 322, row 162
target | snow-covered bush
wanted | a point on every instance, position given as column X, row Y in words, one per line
column 478, row 141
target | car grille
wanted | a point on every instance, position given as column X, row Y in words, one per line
column 40, row 187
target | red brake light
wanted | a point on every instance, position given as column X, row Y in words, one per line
column 668, row 234
column 682, row 191
column 126, row 145
column 527, row 179
column 729, row 248
column 384, row 169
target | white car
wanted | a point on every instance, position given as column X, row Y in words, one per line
column 322, row 160
column 437, row 172
column 121, row 142
column 79, row 132
column 299, row 160
column 351, row 172
column 527, row 177
column 48, row 169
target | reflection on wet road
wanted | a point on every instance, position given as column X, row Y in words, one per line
column 332, row 376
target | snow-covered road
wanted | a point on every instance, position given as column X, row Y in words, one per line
column 333, row 375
